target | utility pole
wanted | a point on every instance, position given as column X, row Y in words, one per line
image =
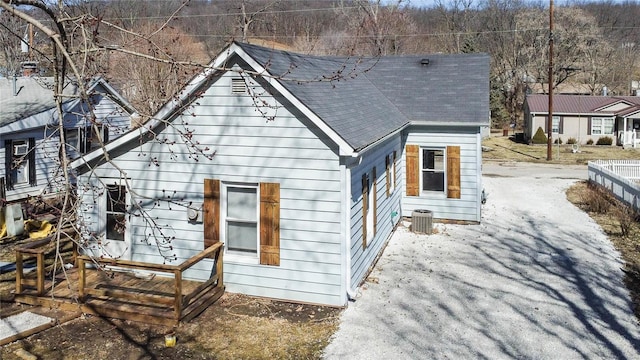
column 550, row 117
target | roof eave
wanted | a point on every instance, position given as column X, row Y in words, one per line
column 450, row 123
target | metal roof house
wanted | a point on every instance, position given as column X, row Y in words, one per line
column 300, row 165
column 30, row 136
column 585, row 117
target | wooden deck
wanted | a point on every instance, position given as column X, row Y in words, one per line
column 128, row 290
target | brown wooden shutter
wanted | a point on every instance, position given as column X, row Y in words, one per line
column 589, row 126
column 365, row 208
column 413, row 170
column 374, row 207
column 388, row 173
column 453, row 172
column 270, row 224
column 211, row 209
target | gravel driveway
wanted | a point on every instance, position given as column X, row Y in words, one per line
column 538, row 279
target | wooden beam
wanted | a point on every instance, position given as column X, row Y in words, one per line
column 40, row 273
column 82, row 279
column 142, row 299
column 19, row 272
column 199, row 306
column 178, row 296
column 198, row 290
column 200, row 256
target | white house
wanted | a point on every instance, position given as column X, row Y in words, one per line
column 301, row 165
column 30, row 135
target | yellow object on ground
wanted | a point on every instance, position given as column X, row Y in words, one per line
column 37, row 229
column 3, row 230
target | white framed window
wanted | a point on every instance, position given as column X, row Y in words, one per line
column 370, row 207
column 20, row 168
column 432, row 170
column 240, row 209
column 82, row 140
column 602, row 126
column 116, row 212
column 555, row 127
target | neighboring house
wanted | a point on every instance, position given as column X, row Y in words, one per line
column 585, row 118
column 316, row 161
column 29, row 130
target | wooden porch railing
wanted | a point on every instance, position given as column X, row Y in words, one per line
column 37, row 248
column 178, row 301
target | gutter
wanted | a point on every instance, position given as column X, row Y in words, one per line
column 351, row 293
column 374, row 144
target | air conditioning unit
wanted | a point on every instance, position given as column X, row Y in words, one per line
column 20, row 150
column 422, row 221
column 14, row 219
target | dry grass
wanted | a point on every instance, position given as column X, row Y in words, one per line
column 621, row 226
column 504, row 148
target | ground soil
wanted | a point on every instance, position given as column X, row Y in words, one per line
column 236, row 327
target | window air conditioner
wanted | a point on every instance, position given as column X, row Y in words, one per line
column 20, row 150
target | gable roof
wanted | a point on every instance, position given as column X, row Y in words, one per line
column 580, row 104
column 34, row 95
column 450, row 90
column 355, row 101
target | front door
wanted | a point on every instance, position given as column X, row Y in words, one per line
column 116, row 242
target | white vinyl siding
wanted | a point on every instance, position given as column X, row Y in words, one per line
column 387, row 209
column 467, row 208
column 249, row 149
column 48, row 175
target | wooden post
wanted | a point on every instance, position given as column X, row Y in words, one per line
column 178, row 300
column 19, row 273
column 81, row 278
column 219, row 269
column 40, row 269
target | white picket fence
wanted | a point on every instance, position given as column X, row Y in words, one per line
column 620, row 177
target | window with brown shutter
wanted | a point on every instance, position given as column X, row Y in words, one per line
column 270, row 224
column 427, row 170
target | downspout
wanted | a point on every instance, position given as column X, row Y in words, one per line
column 346, row 176
column 15, row 85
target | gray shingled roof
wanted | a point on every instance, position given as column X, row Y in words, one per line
column 34, row 95
column 575, row 104
column 365, row 99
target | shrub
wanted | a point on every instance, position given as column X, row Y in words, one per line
column 590, row 142
column 557, row 141
column 539, row 137
column 596, row 199
column 605, row 140
column 571, row 141
column 626, row 217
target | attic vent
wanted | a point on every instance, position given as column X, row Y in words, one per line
column 238, row 86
